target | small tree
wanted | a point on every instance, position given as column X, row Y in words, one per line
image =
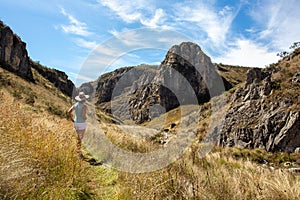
column 282, row 54
column 295, row 45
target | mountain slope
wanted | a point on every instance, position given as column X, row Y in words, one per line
column 265, row 111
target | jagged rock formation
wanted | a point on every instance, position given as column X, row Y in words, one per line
column 13, row 53
column 258, row 120
column 114, row 89
column 186, row 76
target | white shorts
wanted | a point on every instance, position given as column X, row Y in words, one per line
column 80, row 126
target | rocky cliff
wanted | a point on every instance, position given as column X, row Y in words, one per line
column 13, row 53
column 185, row 76
column 265, row 111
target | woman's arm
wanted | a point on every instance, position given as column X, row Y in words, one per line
column 84, row 108
column 70, row 113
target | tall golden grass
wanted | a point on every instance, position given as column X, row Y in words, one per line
column 38, row 158
column 214, row 176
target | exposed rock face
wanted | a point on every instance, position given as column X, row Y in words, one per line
column 13, row 53
column 88, row 88
column 254, row 122
column 58, row 78
column 186, row 76
column 107, row 83
column 117, row 87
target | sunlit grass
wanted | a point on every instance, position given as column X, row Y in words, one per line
column 38, row 158
column 214, row 176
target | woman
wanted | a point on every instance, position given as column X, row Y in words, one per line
column 80, row 118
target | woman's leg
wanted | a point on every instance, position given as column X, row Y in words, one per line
column 80, row 134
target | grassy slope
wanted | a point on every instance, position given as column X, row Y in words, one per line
column 233, row 74
column 38, row 158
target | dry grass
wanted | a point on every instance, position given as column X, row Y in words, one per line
column 233, row 74
column 125, row 141
column 38, row 158
column 215, row 176
column 40, row 97
column 284, row 70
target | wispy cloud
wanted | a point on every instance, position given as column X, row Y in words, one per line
column 156, row 20
column 75, row 26
column 206, row 18
column 195, row 16
column 86, row 44
column 128, row 11
column 278, row 21
column 80, row 78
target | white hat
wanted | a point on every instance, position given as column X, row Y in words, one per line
column 81, row 97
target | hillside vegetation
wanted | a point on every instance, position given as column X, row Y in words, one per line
column 38, row 158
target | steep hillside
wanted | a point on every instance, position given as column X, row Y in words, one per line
column 41, row 96
column 265, row 111
column 58, row 78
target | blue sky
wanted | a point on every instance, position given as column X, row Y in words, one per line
column 87, row 38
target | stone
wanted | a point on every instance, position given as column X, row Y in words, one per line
column 294, row 170
column 296, row 77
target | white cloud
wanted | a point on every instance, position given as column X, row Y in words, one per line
column 75, row 26
column 157, row 19
column 137, row 11
column 127, row 10
column 247, row 53
column 85, row 44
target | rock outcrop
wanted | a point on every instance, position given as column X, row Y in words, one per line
column 186, row 76
column 256, row 122
column 58, row 78
column 13, row 53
